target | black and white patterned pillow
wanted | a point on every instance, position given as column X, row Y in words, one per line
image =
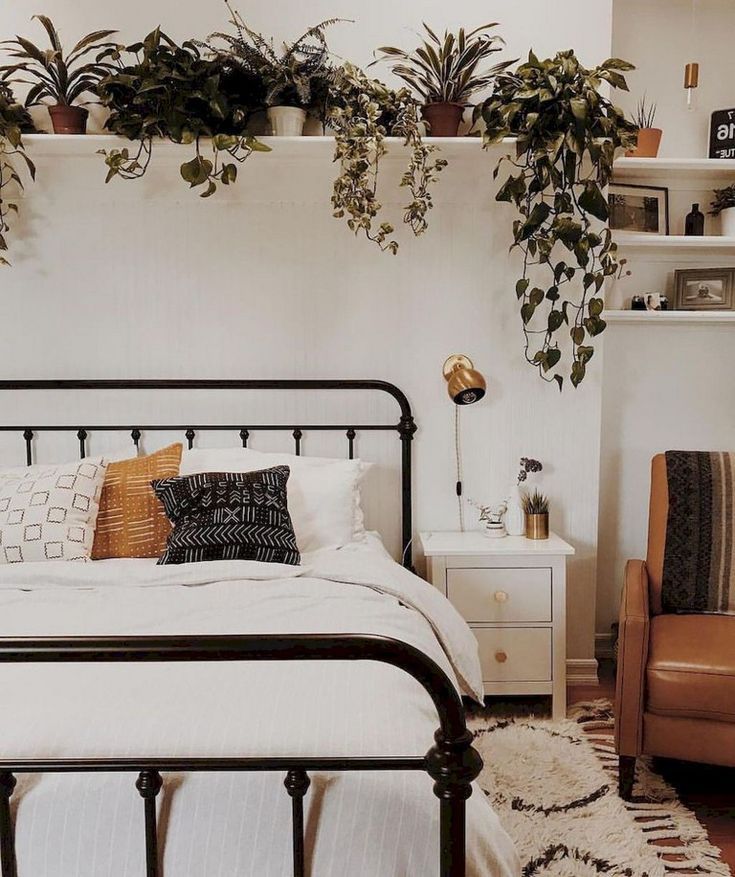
column 228, row 516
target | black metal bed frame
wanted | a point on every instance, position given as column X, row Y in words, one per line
column 451, row 761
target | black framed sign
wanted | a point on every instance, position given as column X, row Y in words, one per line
column 722, row 134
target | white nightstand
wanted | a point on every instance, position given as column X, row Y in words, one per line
column 512, row 593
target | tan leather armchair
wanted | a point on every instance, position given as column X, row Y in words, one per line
column 675, row 692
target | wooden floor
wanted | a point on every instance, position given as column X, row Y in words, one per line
column 708, row 791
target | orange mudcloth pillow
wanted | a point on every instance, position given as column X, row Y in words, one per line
column 131, row 520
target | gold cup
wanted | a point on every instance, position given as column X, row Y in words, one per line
column 537, row 526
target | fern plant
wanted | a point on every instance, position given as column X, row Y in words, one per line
column 297, row 76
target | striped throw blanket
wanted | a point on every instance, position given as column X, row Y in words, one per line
column 699, row 572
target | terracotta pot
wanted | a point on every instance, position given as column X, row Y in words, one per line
column 649, row 140
column 69, row 120
column 537, row 526
column 443, row 119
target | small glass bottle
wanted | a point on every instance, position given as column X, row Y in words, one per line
column 694, row 222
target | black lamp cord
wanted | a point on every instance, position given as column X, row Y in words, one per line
column 458, row 457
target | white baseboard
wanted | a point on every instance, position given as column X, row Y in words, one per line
column 582, row 671
column 603, row 646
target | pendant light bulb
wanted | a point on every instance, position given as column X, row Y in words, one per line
column 691, row 83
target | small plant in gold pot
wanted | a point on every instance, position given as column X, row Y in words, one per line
column 536, row 506
column 61, row 78
column 446, row 72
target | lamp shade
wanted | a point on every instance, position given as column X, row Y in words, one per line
column 465, row 384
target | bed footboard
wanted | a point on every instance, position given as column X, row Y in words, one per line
column 451, row 762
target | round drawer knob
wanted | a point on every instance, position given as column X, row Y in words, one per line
column 501, row 597
column 501, row 657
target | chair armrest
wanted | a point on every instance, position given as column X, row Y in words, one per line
column 635, row 620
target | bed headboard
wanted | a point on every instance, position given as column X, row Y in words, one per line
column 405, row 426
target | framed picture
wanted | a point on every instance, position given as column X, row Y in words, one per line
column 640, row 209
column 704, row 289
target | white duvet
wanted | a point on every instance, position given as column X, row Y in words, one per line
column 222, row 825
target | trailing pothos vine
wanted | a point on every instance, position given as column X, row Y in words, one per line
column 363, row 112
column 173, row 92
column 568, row 134
column 14, row 122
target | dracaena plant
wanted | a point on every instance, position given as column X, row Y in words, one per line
column 55, row 75
column 363, row 112
column 172, row 92
column 449, row 69
column 14, row 122
column 568, row 135
column 297, row 76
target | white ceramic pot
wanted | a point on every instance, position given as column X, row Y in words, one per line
column 727, row 222
column 515, row 516
column 287, row 121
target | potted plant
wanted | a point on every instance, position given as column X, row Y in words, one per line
column 724, row 207
column 446, row 72
column 363, row 112
column 171, row 91
column 515, row 521
column 536, row 506
column 59, row 77
column 567, row 134
column 14, row 122
column 296, row 81
column 649, row 138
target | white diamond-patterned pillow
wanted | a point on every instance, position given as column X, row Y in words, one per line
column 49, row 512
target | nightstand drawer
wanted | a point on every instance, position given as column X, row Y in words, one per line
column 501, row 595
column 515, row 654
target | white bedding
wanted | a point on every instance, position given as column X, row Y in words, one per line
column 369, row 824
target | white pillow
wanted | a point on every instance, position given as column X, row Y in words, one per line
column 323, row 494
column 49, row 512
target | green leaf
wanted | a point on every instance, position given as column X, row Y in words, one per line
column 593, row 201
column 522, row 286
column 527, row 311
column 555, row 321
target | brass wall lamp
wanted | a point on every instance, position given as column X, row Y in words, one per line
column 465, row 386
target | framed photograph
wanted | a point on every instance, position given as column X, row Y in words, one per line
column 640, row 209
column 704, row 289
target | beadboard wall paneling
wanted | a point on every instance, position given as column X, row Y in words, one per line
column 144, row 279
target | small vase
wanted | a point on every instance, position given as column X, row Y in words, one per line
column 727, row 222
column 649, row 140
column 515, row 517
column 68, row 120
column 443, row 118
column 537, row 526
column 287, row 121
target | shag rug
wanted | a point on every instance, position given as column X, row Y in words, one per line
column 554, row 788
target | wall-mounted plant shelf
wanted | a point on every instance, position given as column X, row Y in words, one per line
column 669, row 317
column 284, row 147
column 696, row 169
column 677, row 243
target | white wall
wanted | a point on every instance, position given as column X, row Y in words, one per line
column 144, row 279
column 658, row 37
column 664, row 387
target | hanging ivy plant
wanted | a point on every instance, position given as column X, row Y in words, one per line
column 173, row 92
column 14, row 122
column 568, row 135
column 363, row 112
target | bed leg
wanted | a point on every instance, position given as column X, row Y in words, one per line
column 297, row 783
column 453, row 765
column 7, row 839
column 149, row 784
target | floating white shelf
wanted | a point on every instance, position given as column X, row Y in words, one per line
column 631, row 240
column 693, row 168
column 282, row 147
column 669, row 317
